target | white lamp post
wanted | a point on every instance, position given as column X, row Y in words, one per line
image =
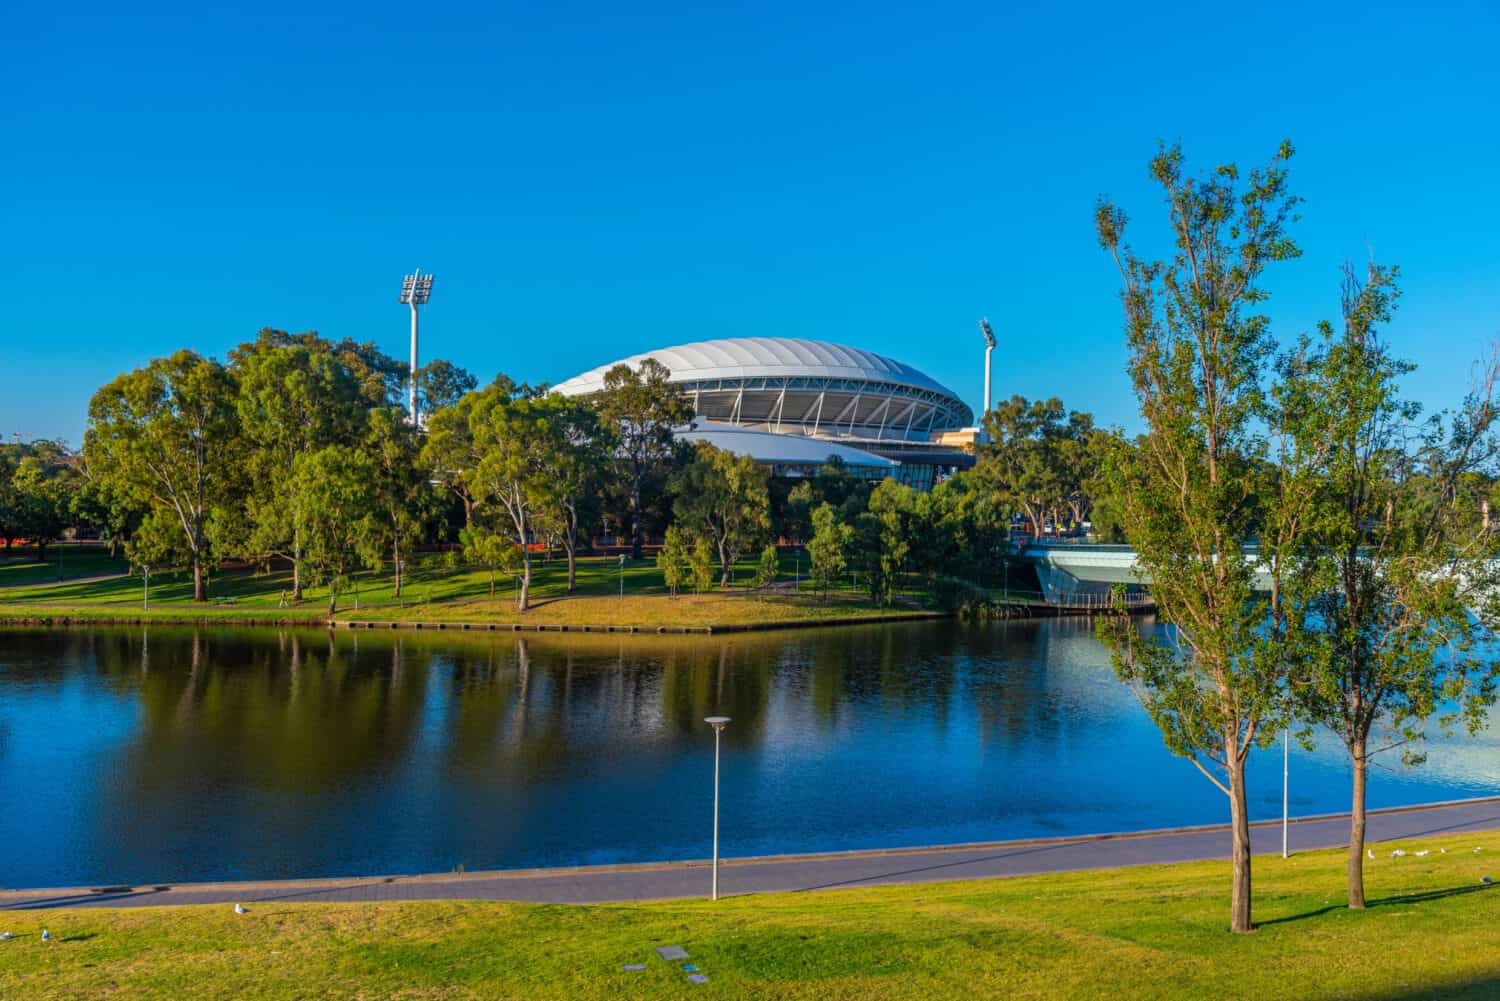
column 1286, row 766
column 718, row 723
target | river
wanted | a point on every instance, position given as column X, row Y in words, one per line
column 164, row 754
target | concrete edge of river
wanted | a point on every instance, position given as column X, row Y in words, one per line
column 790, row 872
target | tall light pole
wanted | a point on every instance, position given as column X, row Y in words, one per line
column 416, row 289
column 989, row 349
column 718, row 723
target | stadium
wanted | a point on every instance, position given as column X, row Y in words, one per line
column 791, row 404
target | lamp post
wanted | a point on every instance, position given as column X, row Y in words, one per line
column 416, row 289
column 1286, row 765
column 622, row 576
column 718, row 723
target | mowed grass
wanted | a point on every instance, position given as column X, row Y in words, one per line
column 438, row 591
column 1433, row 931
column 20, row 566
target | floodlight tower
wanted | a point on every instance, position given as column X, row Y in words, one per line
column 416, row 289
column 989, row 349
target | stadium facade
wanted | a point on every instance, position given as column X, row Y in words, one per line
column 791, row 404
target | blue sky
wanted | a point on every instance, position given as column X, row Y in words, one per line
column 590, row 180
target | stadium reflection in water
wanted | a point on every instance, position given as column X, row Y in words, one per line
column 130, row 755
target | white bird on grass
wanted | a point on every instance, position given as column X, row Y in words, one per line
column 46, row 935
column 4, row 936
column 241, row 909
column 1424, row 851
column 1371, row 853
column 1398, row 853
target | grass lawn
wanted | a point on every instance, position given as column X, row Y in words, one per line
column 1151, row 932
column 20, row 566
column 437, row 591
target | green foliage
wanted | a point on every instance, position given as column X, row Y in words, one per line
column 495, row 551
column 883, row 534
column 673, row 560
column 642, row 407
column 723, row 496
column 335, row 512
column 166, row 437
column 440, row 384
column 829, row 546
column 402, row 493
column 1197, row 349
column 768, row 568
column 1037, row 460
column 701, row 565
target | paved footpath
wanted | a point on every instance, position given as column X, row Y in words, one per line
column 790, row 873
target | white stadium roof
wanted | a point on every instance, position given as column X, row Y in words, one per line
column 762, row 357
column 779, row 449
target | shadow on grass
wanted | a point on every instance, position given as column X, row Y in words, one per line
column 1405, row 898
column 1481, row 987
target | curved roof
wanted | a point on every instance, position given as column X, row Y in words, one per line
column 761, row 357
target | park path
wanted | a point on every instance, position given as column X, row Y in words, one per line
column 791, row 873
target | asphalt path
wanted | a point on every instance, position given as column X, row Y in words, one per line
column 796, row 873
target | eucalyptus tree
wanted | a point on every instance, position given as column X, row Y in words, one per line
column 402, row 493
column 491, row 549
column 336, row 514
column 440, row 384
column 1197, row 345
column 520, row 440
column 167, row 436
column 723, row 497
column 297, row 394
column 44, row 485
column 1024, row 459
column 828, row 549
column 577, row 463
column 642, row 406
column 449, row 453
column 1395, row 555
column 673, row 560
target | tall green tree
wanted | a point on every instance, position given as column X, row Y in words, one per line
column 1394, row 554
column 642, row 406
column 577, row 464
column 297, row 394
column 440, row 384
column 673, row 560
column 828, row 549
column 336, row 513
column 493, row 550
column 701, row 564
column 724, row 497
column 167, row 435
column 1025, row 457
column 1198, row 344
column 401, row 488
column 883, row 535
column 44, row 486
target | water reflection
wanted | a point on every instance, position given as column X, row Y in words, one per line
column 168, row 754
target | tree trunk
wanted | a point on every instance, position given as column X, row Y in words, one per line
column 200, row 591
column 522, row 605
column 572, row 567
column 1239, row 815
column 723, row 542
column 635, row 521
column 396, row 558
column 492, row 583
column 297, row 569
column 333, row 601
column 1357, row 826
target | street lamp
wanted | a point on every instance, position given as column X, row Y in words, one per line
column 1286, row 767
column 718, row 723
column 622, row 576
column 416, row 289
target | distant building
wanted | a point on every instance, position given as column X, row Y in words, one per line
column 791, row 404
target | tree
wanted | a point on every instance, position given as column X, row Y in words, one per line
column 701, row 564
column 642, row 405
column 519, row 442
column 335, row 511
column 1197, row 348
column 768, row 567
column 494, row 551
column 1384, row 576
column 576, row 465
column 43, row 487
column 673, row 560
column 883, row 533
column 441, row 384
column 829, row 546
column 723, row 496
column 1024, row 458
column 297, row 394
column 400, row 484
column 167, row 436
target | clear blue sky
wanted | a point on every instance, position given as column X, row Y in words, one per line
column 590, row 180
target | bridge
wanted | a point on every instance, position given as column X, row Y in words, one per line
column 1075, row 574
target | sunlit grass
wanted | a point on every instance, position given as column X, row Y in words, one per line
column 1150, row 932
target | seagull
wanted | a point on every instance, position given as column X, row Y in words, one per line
column 4, row 936
column 241, row 909
column 46, row 935
column 1486, row 879
column 1442, row 851
column 1371, row 853
column 1398, row 853
column 1424, row 851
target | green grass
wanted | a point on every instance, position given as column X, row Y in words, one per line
column 19, row 566
column 436, row 591
column 1151, row 932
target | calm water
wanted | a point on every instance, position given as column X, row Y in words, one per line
column 131, row 755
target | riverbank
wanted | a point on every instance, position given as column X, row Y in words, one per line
column 437, row 594
column 1143, row 932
